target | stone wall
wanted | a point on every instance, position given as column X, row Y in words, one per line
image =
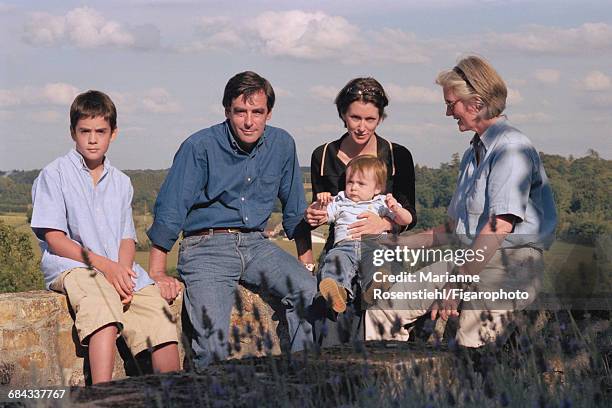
column 39, row 346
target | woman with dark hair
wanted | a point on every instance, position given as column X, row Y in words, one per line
column 361, row 107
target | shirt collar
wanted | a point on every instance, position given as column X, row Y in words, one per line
column 79, row 161
column 489, row 135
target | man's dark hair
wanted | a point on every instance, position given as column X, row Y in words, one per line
column 91, row 104
column 247, row 84
column 367, row 90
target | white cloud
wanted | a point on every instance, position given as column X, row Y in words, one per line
column 514, row 97
column 531, row 117
column 310, row 36
column 6, row 8
column 85, row 27
column 44, row 29
column 282, row 92
column 159, row 100
column 48, row 116
column 50, row 94
column 393, row 45
column 59, row 93
column 9, row 98
column 302, row 34
column 324, row 92
column 547, row 75
column 414, row 94
column 595, row 81
column 540, row 39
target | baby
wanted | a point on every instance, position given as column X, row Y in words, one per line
column 365, row 181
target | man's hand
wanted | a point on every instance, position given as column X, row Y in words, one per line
column 121, row 278
column 369, row 223
column 168, row 286
column 324, row 198
column 315, row 214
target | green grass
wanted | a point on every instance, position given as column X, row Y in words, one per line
column 19, row 221
column 565, row 263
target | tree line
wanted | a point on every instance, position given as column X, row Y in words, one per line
column 581, row 186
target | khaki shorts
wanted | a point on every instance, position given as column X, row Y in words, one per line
column 143, row 323
column 479, row 322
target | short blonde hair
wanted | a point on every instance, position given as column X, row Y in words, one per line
column 368, row 163
column 474, row 78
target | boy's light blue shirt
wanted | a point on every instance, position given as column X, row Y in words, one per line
column 97, row 217
column 343, row 211
column 509, row 180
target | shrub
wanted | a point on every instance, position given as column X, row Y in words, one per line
column 19, row 270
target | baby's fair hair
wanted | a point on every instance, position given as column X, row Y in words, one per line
column 92, row 104
column 367, row 164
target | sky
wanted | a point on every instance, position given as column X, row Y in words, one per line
column 165, row 64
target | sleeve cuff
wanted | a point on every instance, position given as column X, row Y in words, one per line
column 162, row 236
column 501, row 209
column 290, row 225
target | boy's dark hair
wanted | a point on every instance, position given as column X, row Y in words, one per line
column 91, row 104
column 247, row 83
column 367, row 90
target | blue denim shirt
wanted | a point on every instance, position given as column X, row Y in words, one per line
column 97, row 217
column 510, row 179
column 213, row 183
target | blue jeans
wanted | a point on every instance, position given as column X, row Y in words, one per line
column 212, row 266
column 348, row 259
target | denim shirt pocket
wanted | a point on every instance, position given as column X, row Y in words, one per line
column 267, row 191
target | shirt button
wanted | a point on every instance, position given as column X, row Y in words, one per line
column 242, row 198
column 246, row 218
column 248, row 179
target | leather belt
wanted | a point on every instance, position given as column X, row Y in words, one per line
column 212, row 231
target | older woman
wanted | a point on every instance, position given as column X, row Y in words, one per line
column 361, row 107
column 502, row 206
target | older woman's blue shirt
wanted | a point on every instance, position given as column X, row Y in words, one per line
column 509, row 180
column 97, row 217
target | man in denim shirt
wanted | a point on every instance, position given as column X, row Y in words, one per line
column 220, row 192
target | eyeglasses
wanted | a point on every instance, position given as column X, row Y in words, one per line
column 355, row 90
column 451, row 105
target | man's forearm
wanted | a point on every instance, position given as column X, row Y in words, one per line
column 303, row 244
column 157, row 261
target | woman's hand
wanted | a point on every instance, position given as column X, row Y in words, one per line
column 369, row 224
column 315, row 214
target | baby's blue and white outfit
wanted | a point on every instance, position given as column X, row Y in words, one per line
column 343, row 260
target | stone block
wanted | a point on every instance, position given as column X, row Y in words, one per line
column 20, row 339
column 37, row 339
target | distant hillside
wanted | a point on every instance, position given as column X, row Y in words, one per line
column 582, row 188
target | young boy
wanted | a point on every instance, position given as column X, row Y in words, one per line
column 365, row 180
column 82, row 215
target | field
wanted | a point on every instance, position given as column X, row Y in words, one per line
column 19, row 221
